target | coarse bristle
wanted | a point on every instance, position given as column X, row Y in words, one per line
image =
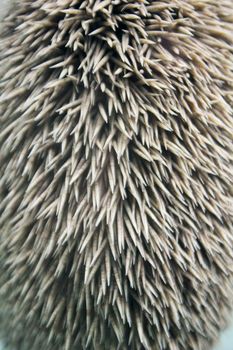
column 116, row 174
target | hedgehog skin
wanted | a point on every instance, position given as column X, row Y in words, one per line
column 116, row 174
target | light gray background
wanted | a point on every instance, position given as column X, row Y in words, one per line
column 4, row 7
column 226, row 340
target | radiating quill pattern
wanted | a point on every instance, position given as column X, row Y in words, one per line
column 116, row 174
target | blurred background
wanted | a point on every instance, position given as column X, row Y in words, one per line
column 226, row 339
column 4, row 7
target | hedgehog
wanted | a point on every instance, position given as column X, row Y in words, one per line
column 116, row 174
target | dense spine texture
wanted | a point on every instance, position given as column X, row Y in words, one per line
column 116, row 136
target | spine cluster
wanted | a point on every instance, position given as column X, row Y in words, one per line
column 116, row 174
